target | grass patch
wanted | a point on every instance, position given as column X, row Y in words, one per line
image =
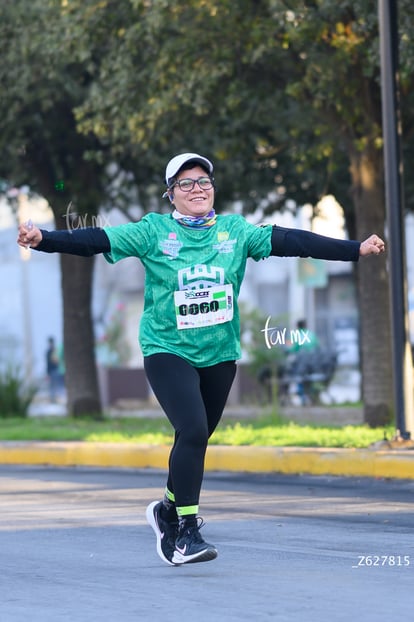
column 290, row 434
column 136, row 430
column 265, row 431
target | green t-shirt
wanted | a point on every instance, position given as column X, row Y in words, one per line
column 192, row 282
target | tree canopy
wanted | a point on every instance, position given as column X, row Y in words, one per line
column 277, row 93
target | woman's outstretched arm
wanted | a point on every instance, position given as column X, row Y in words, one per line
column 84, row 242
column 298, row 243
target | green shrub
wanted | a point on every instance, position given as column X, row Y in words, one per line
column 16, row 394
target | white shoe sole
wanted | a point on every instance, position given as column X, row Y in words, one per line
column 149, row 513
column 202, row 556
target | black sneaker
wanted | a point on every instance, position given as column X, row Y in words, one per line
column 166, row 532
column 190, row 546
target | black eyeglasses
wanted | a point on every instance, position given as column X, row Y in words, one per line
column 187, row 184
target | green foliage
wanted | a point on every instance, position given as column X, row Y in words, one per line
column 263, row 362
column 252, row 325
column 41, row 86
column 277, row 93
column 265, row 431
column 288, row 434
column 15, row 394
column 161, row 91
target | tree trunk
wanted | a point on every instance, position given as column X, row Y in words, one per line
column 373, row 290
column 79, row 342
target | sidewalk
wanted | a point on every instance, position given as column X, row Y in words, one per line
column 378, row 463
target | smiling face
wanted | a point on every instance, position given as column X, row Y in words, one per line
column 196, row 202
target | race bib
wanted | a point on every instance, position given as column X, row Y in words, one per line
column 195, row 308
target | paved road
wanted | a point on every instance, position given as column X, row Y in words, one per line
column 74, row 547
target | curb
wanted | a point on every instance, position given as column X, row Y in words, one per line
column 287, row 460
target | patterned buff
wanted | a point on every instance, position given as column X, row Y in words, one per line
column 196, row 222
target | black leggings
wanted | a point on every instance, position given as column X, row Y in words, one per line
column 193, row 398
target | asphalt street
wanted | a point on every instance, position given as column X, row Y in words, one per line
column 74, row 546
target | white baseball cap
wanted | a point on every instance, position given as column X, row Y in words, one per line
column 178, row 161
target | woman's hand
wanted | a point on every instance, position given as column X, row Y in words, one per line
column 29, row 235
column 371, row 246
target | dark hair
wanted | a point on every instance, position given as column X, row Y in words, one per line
column 187, row 166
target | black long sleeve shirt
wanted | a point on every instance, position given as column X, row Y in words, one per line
column 285, row 243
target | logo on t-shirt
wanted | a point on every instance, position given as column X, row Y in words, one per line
column 171, row 246
column 222, row 236
column 226, row 246
column 200, row 276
